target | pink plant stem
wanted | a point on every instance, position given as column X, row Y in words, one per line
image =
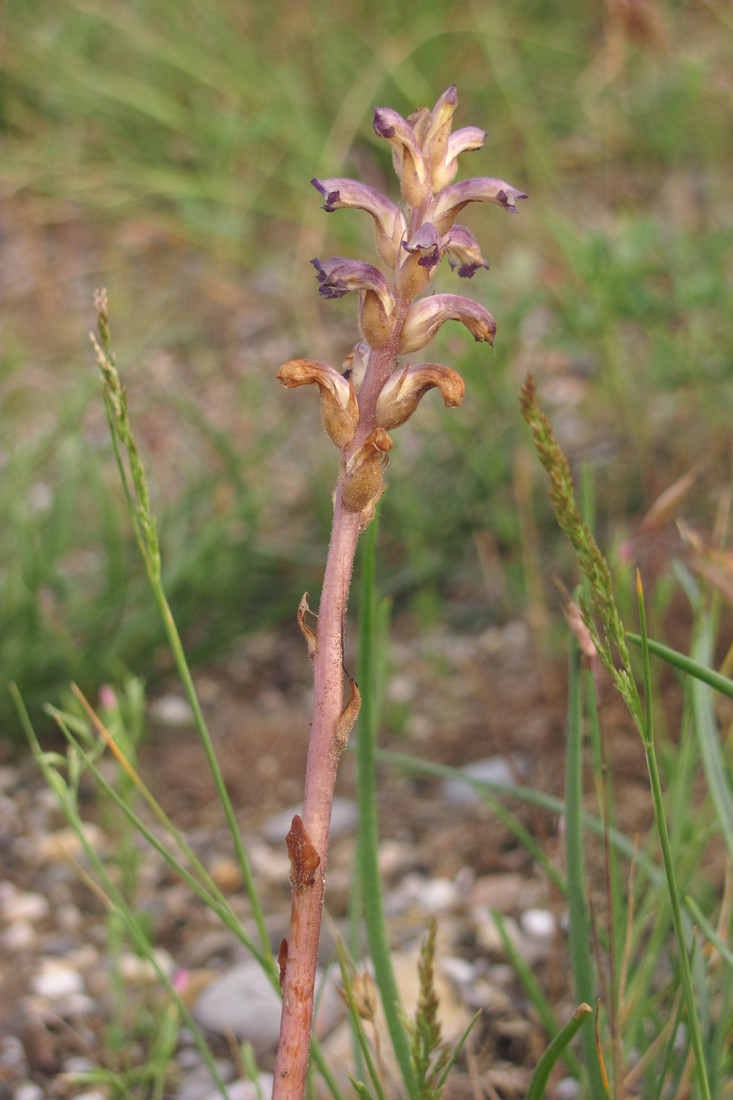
column 308, row 842
column 323, row 756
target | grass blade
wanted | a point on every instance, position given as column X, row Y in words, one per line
column 368, row 841
column 556, row 1049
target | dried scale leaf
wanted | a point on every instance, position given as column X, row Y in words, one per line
column 311, row 639
column 304, row 859
column 347, row 718
column 282, row 960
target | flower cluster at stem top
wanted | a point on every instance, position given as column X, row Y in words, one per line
column 374, row 394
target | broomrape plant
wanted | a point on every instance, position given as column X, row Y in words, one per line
column 373, row 393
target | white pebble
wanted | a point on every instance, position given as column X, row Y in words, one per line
column 171, row 710
column 19, row 936
column 245, row 1090
column 538, row 923
column 567, row 1089
column 28, row 1091
column 498, row 771
column 24, row 906
column 56, row 979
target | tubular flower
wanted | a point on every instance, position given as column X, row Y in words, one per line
column 339, row 408
column 389, row 221
column 339, row 275
column 425, row 317
column 401, row 395
column 450, row 201
column 375, row 393
column 461, row 244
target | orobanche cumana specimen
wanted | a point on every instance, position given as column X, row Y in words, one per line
column 374, row 392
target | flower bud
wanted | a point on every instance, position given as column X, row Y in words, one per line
column 443, row 172
column 339, row 408
column 406, row 155
column 426, row 316
column 362, row 482
column 439, row 127
column 401, row 395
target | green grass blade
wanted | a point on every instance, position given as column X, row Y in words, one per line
column 663, row 834
column 368, row 841
column 557, row 1049
column 692, row 666
column 579, row 940
column 707, row 928
column 713, row 761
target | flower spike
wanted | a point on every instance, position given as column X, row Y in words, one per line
column 373, row 395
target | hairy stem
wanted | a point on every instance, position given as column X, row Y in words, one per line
column 308, row 841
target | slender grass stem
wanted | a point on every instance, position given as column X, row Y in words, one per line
column 663, row 834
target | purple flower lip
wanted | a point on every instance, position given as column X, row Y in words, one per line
column 426, row 243
column 339, row 276
column 461, row 245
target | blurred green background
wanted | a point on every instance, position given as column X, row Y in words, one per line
column 164, row 150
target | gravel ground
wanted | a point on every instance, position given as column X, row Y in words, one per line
column 462, row 700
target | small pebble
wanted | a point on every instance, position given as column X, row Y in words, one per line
column 538, row 923
column 567, row 1089
column 28, row 1091
column 344, row 816
column 18, row 905
column 243, row 1003
column 171, row 710
column 56, row 980
column 245, row 1090
column 196, row 1083
column 19, row 936
column 65, row 845
column 500, row 771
